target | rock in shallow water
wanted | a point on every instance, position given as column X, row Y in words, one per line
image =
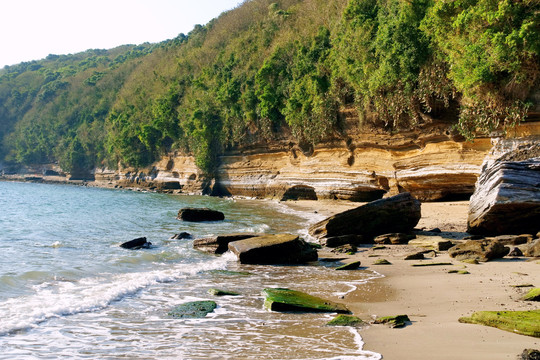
column 193, row 310
column 273, row 249
column 135, row 244
column 292, row 300
column 200, row 214
column 219, row 244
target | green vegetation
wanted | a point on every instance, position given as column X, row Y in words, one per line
column 519, row 322
column 272, row 70
column 345, row 320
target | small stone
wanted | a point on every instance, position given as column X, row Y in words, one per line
column 345, row 320
column 397, row 321
column 193, row 310
column 415, row 256
column 218, row 292
column 382, row 262
column 351, row 266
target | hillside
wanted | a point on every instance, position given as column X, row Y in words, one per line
column 309, row 73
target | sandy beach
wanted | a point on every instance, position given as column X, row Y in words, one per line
column 434, row 299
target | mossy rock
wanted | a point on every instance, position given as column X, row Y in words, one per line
column 533, row 295
column 470, row 261
column 519, row 322
column 193, row 310
column 382, row 262
column 351, row 266
column 396, row 321
column 218, row 292
column 378, row 247
column 345, row 320
column 292, row 300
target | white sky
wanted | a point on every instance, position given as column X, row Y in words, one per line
column 33, row 29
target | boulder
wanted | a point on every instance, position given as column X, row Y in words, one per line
column 292, row 300
column 398, row 213
column 517, row 322
column 273, row 249
column 135, row 244
column 200, row 214
column 506, row 199
column 480, row 250
column 193, row 310
column 336, row 241
column 533, row 249
column 219, row 244
column 394, row 238
column 182, row 235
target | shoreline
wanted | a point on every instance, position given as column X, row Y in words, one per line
column 433, row 299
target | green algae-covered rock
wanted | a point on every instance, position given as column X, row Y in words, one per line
column 231, row 273
column 382, row 262
column 292, row 300
column 193, row 310
column 345, row 320
column 533, row 295
column 396, row 321
column 351, row 266
column 218, row 292
column 519, row 322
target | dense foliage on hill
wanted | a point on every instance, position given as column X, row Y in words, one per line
column 269, row 68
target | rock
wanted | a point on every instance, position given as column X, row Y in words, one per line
column 182, row 235
column 432, row 242
column 394, row 238
column 506, row 199
column 474, row 237
column 533, row 249
column 218, row 292
column 382, row 262
column 345, row 249
column 397, row 321
column 135, row 244
column 398, row 213
column 292, row 300
column 513, row 239
column 518, row 322
column 415, row 256
column 273, row 249
column 516, row 252
column 480, row 250
column 529, row 354
column 219, row 244
column 200, row 214
column 533, row 295
column 351, row 266
column 345, row 320
column 432, row 264
column 193, row 310
column 336, row 241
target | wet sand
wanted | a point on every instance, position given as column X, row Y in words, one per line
column 433, row 299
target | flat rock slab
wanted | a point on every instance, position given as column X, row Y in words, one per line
column 219, row 244
column 519, row 322
column 200, row 214
column 432, row 242
column 292, row 300
column 395, row 214
column 273, row 249
column 506, row 199
column 193, row 310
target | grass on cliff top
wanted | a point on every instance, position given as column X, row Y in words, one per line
column 519, row 322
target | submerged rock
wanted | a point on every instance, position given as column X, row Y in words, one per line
column 193, row 309
column 273, row 249
column 480, row 250
column 182, row 235
column 292, row 300
column 135, row 244
column 219, row 244
column 398, row 213
column 200, row 214
column 345, row 320
column 519, row 322
column 218, row 292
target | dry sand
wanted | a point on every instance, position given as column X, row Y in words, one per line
column 433, row 299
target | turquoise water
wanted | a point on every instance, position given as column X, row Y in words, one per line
column 67, row 290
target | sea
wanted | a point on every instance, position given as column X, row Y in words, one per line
column 69, row 291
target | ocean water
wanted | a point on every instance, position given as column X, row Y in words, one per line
column 67, row 290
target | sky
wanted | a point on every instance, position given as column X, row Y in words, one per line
column 33, row 29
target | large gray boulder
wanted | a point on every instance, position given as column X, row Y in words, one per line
column 396, row 214
column 219, row 244
column 273, row 249
column 507, row 195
